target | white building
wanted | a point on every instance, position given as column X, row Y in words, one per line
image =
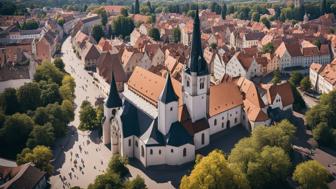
column 323, row 77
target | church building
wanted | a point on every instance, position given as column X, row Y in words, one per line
column 160, row 120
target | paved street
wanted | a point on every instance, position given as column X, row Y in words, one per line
column 93, row 156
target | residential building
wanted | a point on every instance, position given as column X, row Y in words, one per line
column 323, row 77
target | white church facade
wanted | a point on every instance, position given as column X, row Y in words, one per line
column 162, row 121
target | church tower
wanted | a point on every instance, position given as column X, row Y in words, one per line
column 196, row 78
column 167, row 107
column 112, row 104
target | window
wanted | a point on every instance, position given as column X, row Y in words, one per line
column 235, row 120
column 202, row 83
column 151, row 151
column 172, row 151
column 215, row 122
column 160, row 152
column 188, row 83
column 184, row 152
column 171, row 108
column 129, row 142
column 136, row 143
column 222, row 125
column 142, row 151
column 203, row 138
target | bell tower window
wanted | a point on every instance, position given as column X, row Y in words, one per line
column 202, row 83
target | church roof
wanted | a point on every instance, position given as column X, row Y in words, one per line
column 168, row 94
column 178, row 135
column 113, row 99
column 197, row 62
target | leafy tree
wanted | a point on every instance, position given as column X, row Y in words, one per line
column 177, row 35
column 67, row 89
column 58, row 62
column 104, row 18
column 124, row 12
column 305, row 83
column 68, row 110
column 137, row 183
column 30, row 25
column 108, row 179
column 40, row 156
column 152, row 19
column 41, row 116
column 2, row 120
column 323, row 7
column 318, row 43
column 295, row 78
column 58, row 119
column 256, row 16
column 15, row 131
column 41, row 135
column 276, row 77
column 60, row 22
column 137, row 7
column 118, row 165
column 8, row 101
column 224, row 10
column 299, row 103
column 214, row 171
column 266, row 22
column 231, row 9
column 97, row 32
column 87, row 116
column 49, row 93
column 29, row 96
column 324, row 135
column 7, row 8
column 191, row 13
column 48, row 72
column 122, row 26
column 311, row 175
column 268, row 48
column 154, row 33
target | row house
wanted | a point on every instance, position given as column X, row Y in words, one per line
column 300, row 55
column 89, row 56
column 45, row 47
column 252, row 39
column 16, row 34
column 132, row 57
column 113, row 10
column 155, row 54
column 323, row 77
column 278, row 96
column 89, row 22
column 11, row 52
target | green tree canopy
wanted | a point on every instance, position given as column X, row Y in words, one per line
column 256, row 16
column 122, row 26
column 40, row 156
column 295, row 78
column 97, row 32
column 224, row 11
column 276, row 77
column 29, row 25
column 268, row 48
column 41, row 135
column 58, row 62
column 8, row 101
column 137, row 183
column 154, row 33
column 87, row 116
column 177, row 35
column 48, row 72
column 29, row 96
column 124, row 12
column 311, row 175
column 214, row 171
column 305, row 84
column 266, row 22
column 137, row 7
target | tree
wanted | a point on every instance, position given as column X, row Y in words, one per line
column 67, row 89
column 68, row 110
column 48, row 72
column 256, row 16
column 295, row 78
column 154, row 33
column 122, row 26
column 58, row 119
column 60, row 21
column 29, row 96
column 231, row 9
column 104, row 18
column 29, row 25
column 87, row 116
column 15, row 131
column 276, row 77
column 137, row 183
column 270, row 168
column 108, row 179
column 311, row 175
column 317, row 43
column 324, row 135
column 224, row 10
column 299, row 103
column 323, row 7
column 177, row 35
column 49, row 93
column 268, row 48
column 124, row 12
column 266, row 22
column 214, row 171
column 41, row 156
column 305, row 84
column 117, row 165
column 97, row 32
column 58, row 62
column 191, row 13
column 137, row 7
column 41, row 135
column 8, row 101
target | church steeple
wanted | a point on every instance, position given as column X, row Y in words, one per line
column 113, row 99
column 168, row 94
column 197, row 62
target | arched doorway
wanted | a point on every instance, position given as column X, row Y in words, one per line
column 228, row 124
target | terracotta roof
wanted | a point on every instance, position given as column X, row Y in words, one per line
column 254, row 36
column 104, row 45
column 223, row 97
column 90, row 52
column 250, row 92
column 170, row 63
column 140, row 18
column 316, row 67
column 108, row 63
column 284, row 90
column 114, row 8
column 245, row 60
column 255, row 114
column 329, row 73
column 81, row 37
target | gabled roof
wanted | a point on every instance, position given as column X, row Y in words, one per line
column 108, row 63
column 178, row 136
column 284, row 90
column 113, row 99
column 168, row 94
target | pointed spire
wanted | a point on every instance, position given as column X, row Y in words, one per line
column 113, row 99
column 168, row 94
column 197, row 62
